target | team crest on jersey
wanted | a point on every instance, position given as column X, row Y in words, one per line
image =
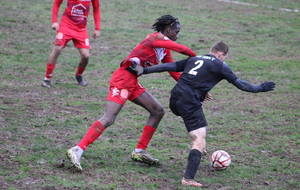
column 124, row 93
column 78, row 10
column 59, row 36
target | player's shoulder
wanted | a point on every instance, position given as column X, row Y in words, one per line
column 210, row 60
column 157, row 36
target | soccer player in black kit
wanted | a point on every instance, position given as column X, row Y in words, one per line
column 199, row 75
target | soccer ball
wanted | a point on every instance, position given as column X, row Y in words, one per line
column 220, row 160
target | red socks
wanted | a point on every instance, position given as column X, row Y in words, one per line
column 91, row 135
column 79, row 71
column 97, row 129
column 49, row 70
column 146, row 137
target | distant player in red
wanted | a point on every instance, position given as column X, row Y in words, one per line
column 124, row 85
column 73, row 27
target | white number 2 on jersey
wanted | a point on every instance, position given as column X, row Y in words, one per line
column 198, row 64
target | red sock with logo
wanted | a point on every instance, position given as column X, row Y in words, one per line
column 49, row 70
column 95, row 130
column 146, row 137
column 79, row 71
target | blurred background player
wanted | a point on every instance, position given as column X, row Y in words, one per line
column 72, row 27
column 124, row 85
column 199, row 75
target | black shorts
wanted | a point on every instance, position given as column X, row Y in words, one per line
column 192, row 116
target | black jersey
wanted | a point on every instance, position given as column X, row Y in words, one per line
column 200, row 75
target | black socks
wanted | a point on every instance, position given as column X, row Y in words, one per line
column 193, row 164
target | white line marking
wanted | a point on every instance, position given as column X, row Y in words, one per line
column 242, row 3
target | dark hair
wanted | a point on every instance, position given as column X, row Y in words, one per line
column 220, row 46
column 163, row 22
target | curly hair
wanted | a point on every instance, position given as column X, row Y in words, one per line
column 164, row 21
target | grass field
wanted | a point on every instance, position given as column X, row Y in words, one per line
column 260, row 131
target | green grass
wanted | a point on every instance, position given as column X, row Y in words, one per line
column 260, row 131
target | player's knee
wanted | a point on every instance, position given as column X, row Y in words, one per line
column 85, row 55
column 57, row 50
column 110, row 121
column 199, row 143
column 107, row 121
column 159, row 111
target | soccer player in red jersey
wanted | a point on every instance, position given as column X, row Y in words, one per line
column 72, row 27
column 124, row 85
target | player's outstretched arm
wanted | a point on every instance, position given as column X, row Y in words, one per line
column 153, row 69
column 249, row 87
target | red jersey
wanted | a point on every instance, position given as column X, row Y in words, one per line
column 76, row 13
column 155, row 48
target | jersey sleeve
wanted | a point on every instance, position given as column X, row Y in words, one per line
column 240, row 84
column 246, row 86
column 169, row 44
column 55, row 9
column 160, row 68
column 227, row 73
column 96, row 13
column 180, row 65
column 168, row 59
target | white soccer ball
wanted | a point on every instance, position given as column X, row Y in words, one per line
column 220, row 160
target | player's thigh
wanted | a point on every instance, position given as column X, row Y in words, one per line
column 113, row 108
column 149, row 102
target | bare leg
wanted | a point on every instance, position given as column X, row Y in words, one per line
column 50, row 65
column 84, row 60
column 54, row 54
column 156, row 110
column 95, row 130
column 198, row 138
column 84, row 53
column 99, row 126
column 111, row 112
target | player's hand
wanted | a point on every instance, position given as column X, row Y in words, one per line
column 137, row 68
column 267, row 86
column 208, row 97
column 55, row 26
column 96, row 34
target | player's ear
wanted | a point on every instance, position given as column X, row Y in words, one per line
column 168, row 29
column 219, row 54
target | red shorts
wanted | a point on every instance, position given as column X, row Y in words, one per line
column 79, row 38
column 124, row 86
